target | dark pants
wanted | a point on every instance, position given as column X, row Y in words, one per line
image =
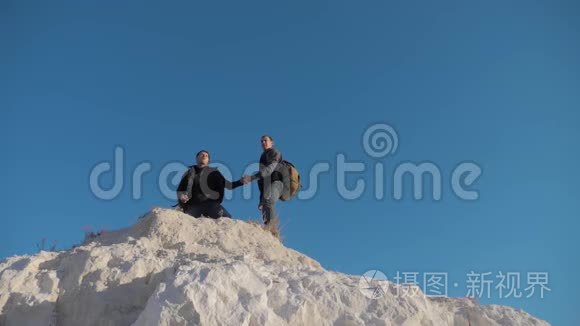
column 210, row 209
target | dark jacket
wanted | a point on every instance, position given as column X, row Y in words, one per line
column 203, row 185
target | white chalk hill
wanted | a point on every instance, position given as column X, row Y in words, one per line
column 172, row 269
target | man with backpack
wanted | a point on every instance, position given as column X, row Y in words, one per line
column 201, row 190
column 276, row 180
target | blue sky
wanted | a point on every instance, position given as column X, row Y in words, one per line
column 494, row 82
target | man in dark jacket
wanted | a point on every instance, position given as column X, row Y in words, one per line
column 270, row 183
column 201, row 190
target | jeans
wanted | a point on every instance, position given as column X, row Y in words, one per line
column 210, row 209
column 271, row 195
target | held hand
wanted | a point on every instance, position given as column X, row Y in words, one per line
column 184, row 198
column 246, row 179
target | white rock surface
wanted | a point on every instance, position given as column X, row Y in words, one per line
column 172, row 269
